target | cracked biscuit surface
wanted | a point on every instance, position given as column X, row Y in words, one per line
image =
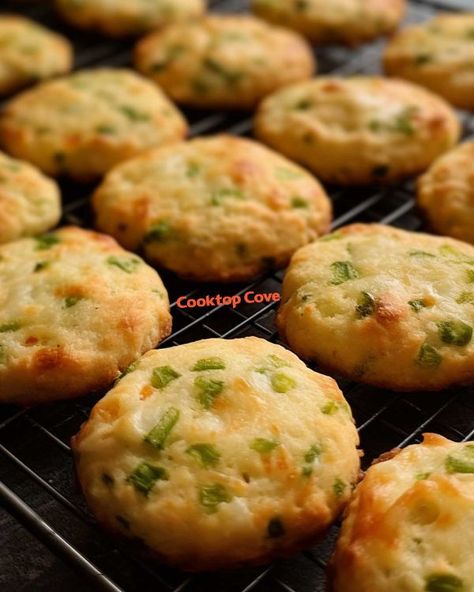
column 358, row 130
column 224, row 61
column 384, row 306
column 75, row 310
column 218, row 208
column 219, row 453
column 83, row 124
column 410, row 524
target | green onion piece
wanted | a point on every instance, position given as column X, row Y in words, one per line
column 313, row 453
column 133, row 114
column 158, row 233
column 277, row 361
column 209, row 364
column 211, row 496
column 416, row 253
column 157, row 435
column 162, row 376
column 282, row 383
column 232, row 77
column 331, row 237
column 417, row 305
column 470, row 276
column 208, row 390
column 275, row 528
column 462, row 461
column 41, row 265
column 423, row 58
column 126, row 265
column 10, row 327
column 286, row 174
column 444, row 583
column 303, row 105
column 339, row 487
column 46, row 241
column 343, row 271
column 105, row 129
column 71, row 301
column 298, row 202
column 206, row 454
column 263, row 446
column 428, row 356
column 365, row 305
column 466, row 298
column 3, row 354
column 193, row 170
column 330, row 408
column 145, row 476
column 454, row 332
column 133, row 366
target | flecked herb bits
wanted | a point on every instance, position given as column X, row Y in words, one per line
column 84, row 124
column 220, row 208
column 224, row 61
column 420, row 503
column 383, row 306
column 77, row 310
column 219, row 436
column 359, row 130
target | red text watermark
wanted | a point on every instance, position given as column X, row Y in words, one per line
column 249, row 297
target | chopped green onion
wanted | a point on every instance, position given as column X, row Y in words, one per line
column 343, row 271
column 417, row 305
column 282, row 383
column 454, row 332
column 211, row 496
column 133, row 114
column 462, row 461
column 263, row 446
column 209, row 364
column 46, row 241
column 162, row 376
column 444, row 583
column 339, row 487
column 145, row 476
column 313, row 453
column 71, row 301
column 428, row 356
column 10, row 327
column 365, row 305
column 298, row 202
column 158, row 233
column 208, row 390
column 330, row 408
column 206, row 454
column 126, row 265
column 41, row 265
column 158, row 435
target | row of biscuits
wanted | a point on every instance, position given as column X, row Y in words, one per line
column 257, row 445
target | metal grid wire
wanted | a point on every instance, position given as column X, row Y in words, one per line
column 38, row 486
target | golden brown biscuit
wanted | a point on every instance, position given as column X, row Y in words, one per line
column 410, row 524
column 219, row 208
column 358, row 130
column 224, row 61
column 29, row 52
column 75, row 310
column 338, row 21
column 84, row 124
column 119, row 18
column 30, row 203
column 384, row 306
column 446, row 193
column 219, row 436
column 438, row 54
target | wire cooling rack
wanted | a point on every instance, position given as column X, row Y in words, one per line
column 38, row 489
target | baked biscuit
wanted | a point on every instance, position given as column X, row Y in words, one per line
column 358, row 130
column 215, row 209
column 349, row 22
column 224, row 61
column 29, row 53
column 438, row 54
column 75, row 310
column 410, row 524
column 84, row 124
column 30, row 203
column 219, row 436
column 118, row 18
column 446, row 193
column 384, row 306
